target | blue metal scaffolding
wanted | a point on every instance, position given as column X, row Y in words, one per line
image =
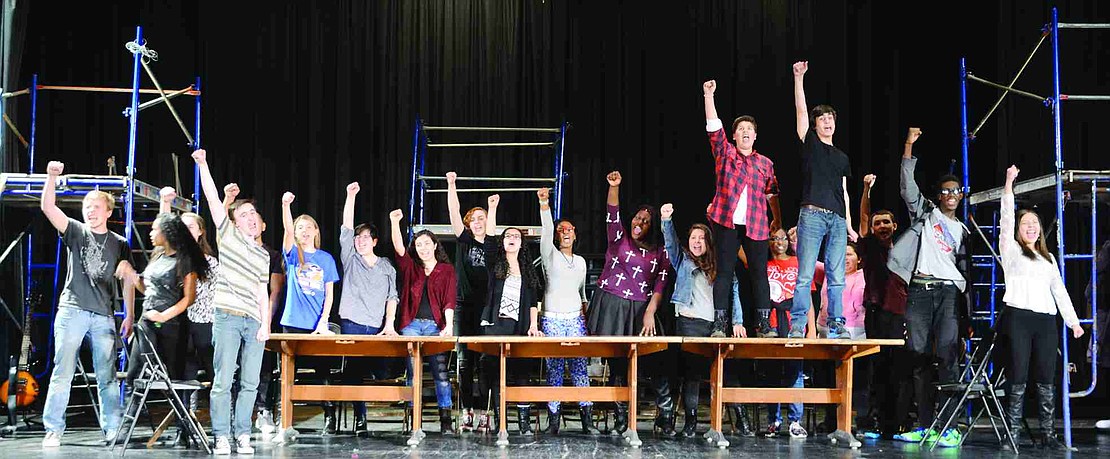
column 1060, row 188
column 422, row 147
column 24, row 189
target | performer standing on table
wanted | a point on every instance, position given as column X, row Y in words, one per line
column 369, row 302
column 241, row 324
column 86, row 306
column 511, row 308
column 564, row 307
column 470, row 267
column 198, row 336
column 746, row 183
column 823, row 217
column 695, row 274
column 308, row 300
column 427, row 304
column 629, row 291
column 930, row 259
column 1035, row 292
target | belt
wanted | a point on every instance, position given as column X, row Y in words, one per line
column 931, row 284
column 818, row 209
column 562, row 315
column 232, row 312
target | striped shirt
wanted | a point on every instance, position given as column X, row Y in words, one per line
column 244, row 265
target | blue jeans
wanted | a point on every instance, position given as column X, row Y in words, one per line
column 356, row 368
column 791, row 376
column 71, row 327
column 815, row 227
column 234, row 338
column 437, row 363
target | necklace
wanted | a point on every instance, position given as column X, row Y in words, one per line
column 569, row 260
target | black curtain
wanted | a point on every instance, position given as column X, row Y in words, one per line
column 308, row 96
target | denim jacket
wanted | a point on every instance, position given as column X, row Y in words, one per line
column 685, row 267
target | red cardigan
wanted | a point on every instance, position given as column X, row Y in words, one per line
column 441, row 290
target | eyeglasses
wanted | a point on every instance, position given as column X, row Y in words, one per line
column 951, row 191
column 780, row 239
column 512, row 236
column 565, row 229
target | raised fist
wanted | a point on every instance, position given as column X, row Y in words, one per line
column 451, row 176
column 614, row 178
column 493, row 200
column 912, row 136
column 353, row 189
column 287, row 198
column 1012, row 173
column 800, row 68
column 666, row 211
column 200, row 156
column 231, row 191
column 543, row 193
column 396, row 215
column 869, row 180
column 709, row 87
column 55, row 168
column 167, row 194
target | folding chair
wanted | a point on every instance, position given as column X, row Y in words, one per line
column 155, row 376
column 976, row 384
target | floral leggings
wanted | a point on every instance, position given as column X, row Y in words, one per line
column 556, row 366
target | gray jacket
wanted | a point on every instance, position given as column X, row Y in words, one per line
column 903, row 256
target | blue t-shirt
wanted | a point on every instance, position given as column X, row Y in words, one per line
column 306, row 287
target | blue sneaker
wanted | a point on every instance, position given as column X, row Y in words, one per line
column 837, row 331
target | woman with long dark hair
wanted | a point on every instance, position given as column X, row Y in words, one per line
column 1035, row 293
column 427, row 306
column 511, row 307
column 630, row 289
column 564, row 307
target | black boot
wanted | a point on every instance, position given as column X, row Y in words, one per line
column 690, row 426
column 329, row 419
column 664, row 406
column 720, row 322
column 620, row 417
column 588, row 426
column 1016, row 411
column 360, row 424
column 664, row 421
column 553, row 419
column 1046, row 395
column 446, row 424
column 181, row 438
column 524, row 420
column 741, row 422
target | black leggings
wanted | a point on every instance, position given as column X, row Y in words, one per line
column 1032, row 338
column 199, row 351
column 165, row 339
column 728, row 240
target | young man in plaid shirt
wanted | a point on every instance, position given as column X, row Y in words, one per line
column 737, row 215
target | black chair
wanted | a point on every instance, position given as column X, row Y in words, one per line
column 977, row 384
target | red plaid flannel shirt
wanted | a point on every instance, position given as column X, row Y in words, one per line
column 734, row 172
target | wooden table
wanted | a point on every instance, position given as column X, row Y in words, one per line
column 631, row 347
column 291, row 345
column 842, row 351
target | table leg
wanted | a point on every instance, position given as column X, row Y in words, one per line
column 288, row 371
column 502, row 432
column 716, row 405
column 417, row 393
column 633, row 370
column 843, row 434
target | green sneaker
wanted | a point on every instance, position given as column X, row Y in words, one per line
column 951, row 438
column 916, row 435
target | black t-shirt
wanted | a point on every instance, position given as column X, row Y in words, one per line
column 823, row 170
column 470, row 266
column 425, row 310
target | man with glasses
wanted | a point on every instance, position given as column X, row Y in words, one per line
column 930, row 259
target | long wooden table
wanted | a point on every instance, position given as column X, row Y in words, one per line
column 291, row 345
column 631, row 347
column 842, row 351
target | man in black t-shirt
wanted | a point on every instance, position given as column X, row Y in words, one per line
column 823, row 217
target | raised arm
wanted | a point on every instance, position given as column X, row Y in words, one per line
column 865, row 205
column 395, row 232
column 349, row 206
column 801, row 111
column 670, row 237
column 911, row 194
column 454, row 209
column 287, row 221
column 613, row 197
column 707, row 89
column 613, row 227
column 547, row 228
column 231, row 192
column 57, row 218
column 211, row 194
column 491, row 214
column 1006, row 242
column 165, row 199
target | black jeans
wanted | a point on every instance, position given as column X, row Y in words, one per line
column 199, row 351
column 517, row 369
column 692, row 368
column 728, row 240
column 932, row 336
column 165, row 338
column 1031, row 338
column 891, row 375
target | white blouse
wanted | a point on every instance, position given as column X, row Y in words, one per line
column 1033, row 285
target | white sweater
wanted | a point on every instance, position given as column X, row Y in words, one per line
column 1033, row 285
column 566, row 276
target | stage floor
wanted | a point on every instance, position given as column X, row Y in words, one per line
column 83, row 441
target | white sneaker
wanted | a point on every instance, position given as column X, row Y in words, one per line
column 52, row 440
column 1103, row 424
column 797, row 431
column 243, row 445
column 223, row 447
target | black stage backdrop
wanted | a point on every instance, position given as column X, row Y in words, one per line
column 308, row 96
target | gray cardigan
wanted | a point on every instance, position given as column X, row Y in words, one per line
column 903, row 256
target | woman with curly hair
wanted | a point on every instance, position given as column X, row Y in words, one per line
column 427, row 308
